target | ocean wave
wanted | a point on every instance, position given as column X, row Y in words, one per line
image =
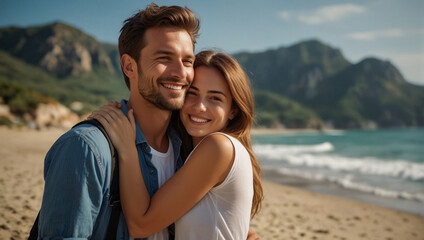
column 348, row 183
column 301, row 156
column 333, row 132
column 271, row 150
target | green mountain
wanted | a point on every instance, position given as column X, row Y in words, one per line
column 309, row 84
column 368, row 94
column 61, row 62
column 293, row 71
column 369, row 91
column 59, row 48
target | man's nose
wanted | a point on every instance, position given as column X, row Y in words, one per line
column 178, row 70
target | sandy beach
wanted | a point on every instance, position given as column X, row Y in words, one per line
column 287, row 212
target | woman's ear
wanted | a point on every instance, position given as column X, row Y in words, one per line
column 233, row 113
column 129, row 66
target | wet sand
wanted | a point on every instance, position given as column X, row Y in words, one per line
column 291, row 213
column 287, row 213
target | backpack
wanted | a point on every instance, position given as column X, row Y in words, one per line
column 114, row 199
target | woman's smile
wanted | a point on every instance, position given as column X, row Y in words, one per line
column 208, row 104
column 198, row 120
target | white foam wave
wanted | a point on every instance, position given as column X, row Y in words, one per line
column 348, row 183
column 301, row 156
column 334, row 132
column 272, row 151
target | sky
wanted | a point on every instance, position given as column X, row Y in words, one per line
column 390, row 30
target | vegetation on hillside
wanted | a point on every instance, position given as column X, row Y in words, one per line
column 368, row 94
column 92, row 89
column 273, row 110
column 20, row 99
column 309, row 84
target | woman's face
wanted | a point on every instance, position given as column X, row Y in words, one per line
column 207, row 107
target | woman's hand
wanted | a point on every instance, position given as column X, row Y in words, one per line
column 114, row 104
column 121, row 129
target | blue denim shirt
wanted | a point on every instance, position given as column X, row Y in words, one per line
column 77, row 183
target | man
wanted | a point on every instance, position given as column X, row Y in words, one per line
column 157, row 52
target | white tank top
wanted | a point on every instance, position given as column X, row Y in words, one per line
column 224, row 212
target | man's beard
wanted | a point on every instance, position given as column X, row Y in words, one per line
column 155, row 97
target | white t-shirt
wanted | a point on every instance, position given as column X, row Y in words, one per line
column 165, row 166
column 224, row 212
column 164, row 163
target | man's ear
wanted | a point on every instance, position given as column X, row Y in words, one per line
column 129, row 66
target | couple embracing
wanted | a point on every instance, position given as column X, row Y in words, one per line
column 183, row 140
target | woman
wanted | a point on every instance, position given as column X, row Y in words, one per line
column 218, row 190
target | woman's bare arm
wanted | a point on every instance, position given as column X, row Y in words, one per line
column 207, row 166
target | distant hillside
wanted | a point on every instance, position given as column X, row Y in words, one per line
column 368, row 94
column 62, row 62
column 59, row 48
column 309, row 84
column 293, row 71
column 92, row 88
column 371, row 90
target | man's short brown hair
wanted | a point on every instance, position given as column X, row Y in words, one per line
column 131, row 40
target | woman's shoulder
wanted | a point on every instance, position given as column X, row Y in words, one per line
column 224, row 140
column 217, row 141
column 216, row 145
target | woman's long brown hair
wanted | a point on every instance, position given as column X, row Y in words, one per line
column 239, row 127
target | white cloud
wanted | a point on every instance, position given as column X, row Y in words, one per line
column 372, row 35
column 285, row 15
column 324, row 14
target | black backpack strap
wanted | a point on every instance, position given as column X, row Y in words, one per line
column 114, row 199
column 33, row 234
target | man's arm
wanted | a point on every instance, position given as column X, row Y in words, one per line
column 73, row 190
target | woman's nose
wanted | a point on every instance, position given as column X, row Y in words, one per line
column 200, row 106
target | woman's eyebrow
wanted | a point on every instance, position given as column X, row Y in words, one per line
column 210, row 91
column 217, row 92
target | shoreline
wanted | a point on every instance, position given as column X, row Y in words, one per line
column 333, row 189
column 287, row 212
column 283, row 131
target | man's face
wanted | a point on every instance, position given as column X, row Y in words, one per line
column 165, row 67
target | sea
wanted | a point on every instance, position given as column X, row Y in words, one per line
column 383, row 167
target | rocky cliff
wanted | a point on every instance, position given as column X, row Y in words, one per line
column 58, row 48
